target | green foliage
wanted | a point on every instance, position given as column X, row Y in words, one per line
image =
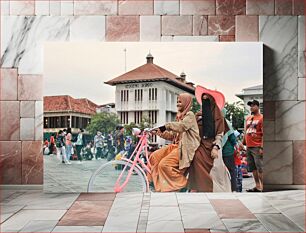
column 235, row 114
column 195, row 106
column 103, row 122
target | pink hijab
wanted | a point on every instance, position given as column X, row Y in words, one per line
column 186, row 100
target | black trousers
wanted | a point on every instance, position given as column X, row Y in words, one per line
column 230, row 164
column 78, row 150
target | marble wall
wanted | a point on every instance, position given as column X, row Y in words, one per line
column 26, row 25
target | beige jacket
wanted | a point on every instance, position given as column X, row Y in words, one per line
column 190, row 139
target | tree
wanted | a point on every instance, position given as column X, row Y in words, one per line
column 235, row 114
column 103, row 122
column 195, row 106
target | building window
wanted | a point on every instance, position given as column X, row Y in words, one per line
column 138, row 95
column 124, row 95
column 124, row 117
column 153, row 117
column 152, row 93
column 137, row 117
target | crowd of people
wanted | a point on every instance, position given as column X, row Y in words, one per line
column 68, row 148
column 205, row 154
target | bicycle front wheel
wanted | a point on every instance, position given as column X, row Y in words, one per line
column 106, row 176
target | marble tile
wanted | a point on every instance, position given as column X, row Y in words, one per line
column 225, row 210
column 107, row 7
column 165, row 226
column 301, row 89
column 8, row 210
column 230, row 7
column 225, row 38
column 164, row 213
column 135, row 7
column 39, row 226
column 221, row 25
column 258, row 205
column 278, row 163
column 67, row 7
column 22, row 7
column 27, row 130
column 39, row 119
column 291, row 195
column 260, row 7
column 221, row 196
column 237, row 225
column 150, row 28
column 294, row 210
column 20, row 219
column 218, row 226
column 298, row 7
column 277, row 223
column 27, row 109
column 200, row 230
column 203, row 7
column 301, row 47
column 8, row 88
column 283, row 7
column 96, row 197
column 30, row 87
column 55, row 8
column 74, row 229
column 122, row 28
column 279, row 34
column 269, row 128
column 298, row 165
column 166, row 7
column 32, row 162
column 247, row 28
column 122, row 220
column 200, row 25
column 269, row 110
column 191, row 198
column 204, row 211
column 42, row 7
column 23, row 38
column 176, row 25
column 190, row 38
column 9, row 121
column 290, row 119
column 43, row 201
column 84, row 28
column 86, row 213
column 163, row 199
column 5, row 7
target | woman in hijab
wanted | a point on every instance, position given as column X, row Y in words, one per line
column 212, row 127
column 169, row 164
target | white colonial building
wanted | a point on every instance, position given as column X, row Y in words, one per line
column 149, row 91
column 252, row 93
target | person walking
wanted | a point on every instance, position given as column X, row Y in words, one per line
column 98, row 145
column 80, row 143
column 68, row 143
column 60, row 145
column 253, row 139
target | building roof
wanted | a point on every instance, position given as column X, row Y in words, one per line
column 150, row 72
column 257, row 87
column 65, row 103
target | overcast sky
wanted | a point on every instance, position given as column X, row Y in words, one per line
column 80, row 69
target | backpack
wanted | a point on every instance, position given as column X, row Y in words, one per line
column 59, row 141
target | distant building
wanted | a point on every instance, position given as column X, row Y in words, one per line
column 64, row 111
column 151, row 91
column 106, row 108
column 251, row 93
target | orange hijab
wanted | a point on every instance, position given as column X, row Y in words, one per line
column 186, row 100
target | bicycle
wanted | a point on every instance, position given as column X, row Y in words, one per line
column 132, row 177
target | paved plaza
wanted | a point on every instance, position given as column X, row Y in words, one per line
column 59, row 177
column 35, row 211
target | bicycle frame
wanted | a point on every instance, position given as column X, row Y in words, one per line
column 141, row 145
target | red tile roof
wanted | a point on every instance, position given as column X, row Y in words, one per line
column 150, row 72
column 65, row 103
